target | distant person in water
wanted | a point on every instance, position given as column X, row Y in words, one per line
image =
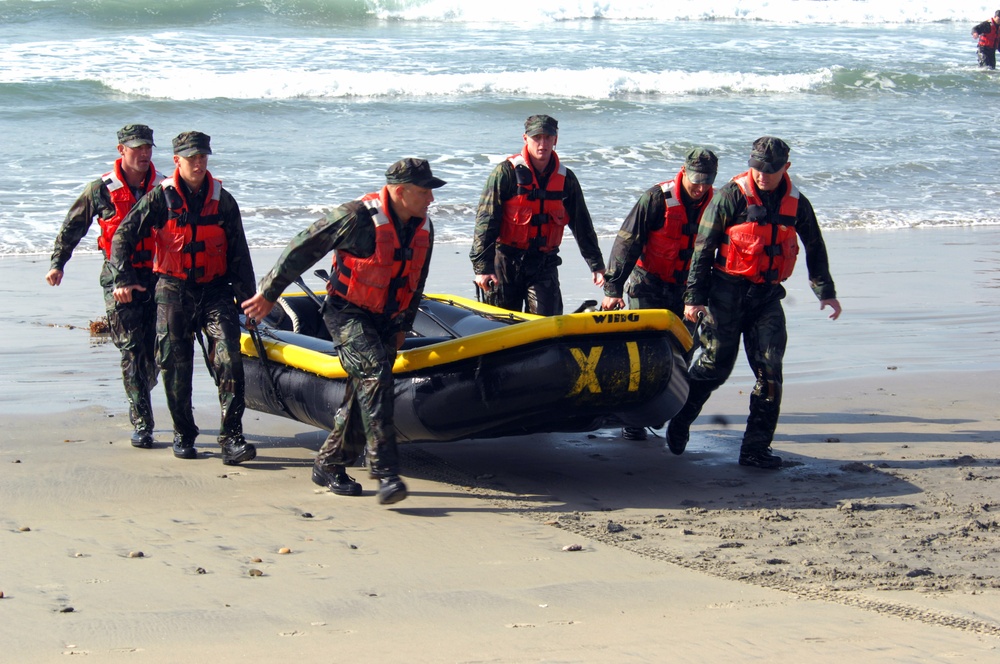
column 132, row 324
column 988, row 35
column 528, row 201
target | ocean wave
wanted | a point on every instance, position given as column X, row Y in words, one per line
column 331, row 12
column 595, row 83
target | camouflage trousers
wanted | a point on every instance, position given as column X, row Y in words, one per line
column 364, row 422
column 739, row 308
column 987, row 57
column 182, row 311
column 133, row 331
column 529, row 281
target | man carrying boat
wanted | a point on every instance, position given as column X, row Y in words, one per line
column 746, row 246
column 203, row 264
column 383, row 245
column 529, row 200
column 132, row 324
column 652, row 252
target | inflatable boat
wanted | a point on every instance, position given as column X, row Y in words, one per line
column 470, row 370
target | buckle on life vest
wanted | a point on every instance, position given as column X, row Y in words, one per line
column 194, row 246
column 770, row 276
column 539, row 219
column 403, row 254
column 772, row 250
column 142, row 256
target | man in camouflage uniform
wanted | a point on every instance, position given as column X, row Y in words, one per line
column 132, row 324
column 203, row 264
column 652, row 253
column 528, row 200
column 382, row 238
column 746, row 246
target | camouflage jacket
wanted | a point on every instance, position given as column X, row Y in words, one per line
column 150, row 213
column 728, row 208
column 502, row 186
column 646, row 216
column 348, row 228
column 94, row 202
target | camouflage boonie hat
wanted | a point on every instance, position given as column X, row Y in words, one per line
column 134, row 135
column 768, row 154
column 190, row 143
column 541, row 124
column 701, row 166
column 413, row 171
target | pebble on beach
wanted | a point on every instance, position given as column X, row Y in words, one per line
column 283, row 550
column 136, row 554
column 256, row 560
column 573, row 547
column 24, row 529
column 255, row 572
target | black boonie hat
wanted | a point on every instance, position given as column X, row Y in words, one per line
column 701, row 166
column 190, row 143
column 768, row 154
column 413, row 171
column 541, row 124
column 134, row 135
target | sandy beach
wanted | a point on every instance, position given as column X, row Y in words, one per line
column 878, row 541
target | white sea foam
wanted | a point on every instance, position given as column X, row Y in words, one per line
column 774, row 11
column 596, row 83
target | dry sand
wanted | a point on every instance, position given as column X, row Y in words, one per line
column 880, row 540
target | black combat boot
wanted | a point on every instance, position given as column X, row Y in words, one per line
column 336, row 479
column 142, row 438
column 391, row 490
column 236, row 450
column 184, row 447
column 759, row 458
column 634, row 433
column 678, row 435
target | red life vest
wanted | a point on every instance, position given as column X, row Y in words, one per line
column 191, row 249
column 386, row 281
column 989, row 39
column 123, row 200
column 668, row 250
column 760, row 249
column 534, row 218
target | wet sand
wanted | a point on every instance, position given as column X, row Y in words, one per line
column 878, row 541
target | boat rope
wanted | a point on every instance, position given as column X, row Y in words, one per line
column 265, row 364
